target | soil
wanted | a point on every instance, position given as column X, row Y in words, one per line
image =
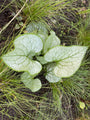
column 5, row 17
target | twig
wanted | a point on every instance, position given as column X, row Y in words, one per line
column 13, row 18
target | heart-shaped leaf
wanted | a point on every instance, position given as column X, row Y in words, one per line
column 26, row 46
column 68, row 59
column 33, row 84
column 51, row 42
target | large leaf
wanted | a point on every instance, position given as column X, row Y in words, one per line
column 33, row 84
column 68, row 59
column 26, row 46
column 51, row 42
column 50, row 76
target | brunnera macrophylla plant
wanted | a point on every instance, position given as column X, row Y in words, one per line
column 32, row 52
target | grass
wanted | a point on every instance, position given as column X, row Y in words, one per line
column 34, row 10
column 15, row 98
column 58, row 100
column 68, row 93
column 83, row 37
column 37, row 10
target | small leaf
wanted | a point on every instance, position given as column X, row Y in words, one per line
column 21, row 23
column 26, row 46
column 19, row 18
column 17, row 26
column 13, row 14
column 68, row 59
column 38, row 28
column 50, row 76
column 33, row 84
column 41, row 59
column 51, row 42
column 82, row 105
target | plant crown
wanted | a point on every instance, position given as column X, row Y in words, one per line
column 37, row 50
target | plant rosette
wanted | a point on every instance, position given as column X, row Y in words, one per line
column 32, row 52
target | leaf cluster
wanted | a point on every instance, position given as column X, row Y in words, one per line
column 38, row 50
